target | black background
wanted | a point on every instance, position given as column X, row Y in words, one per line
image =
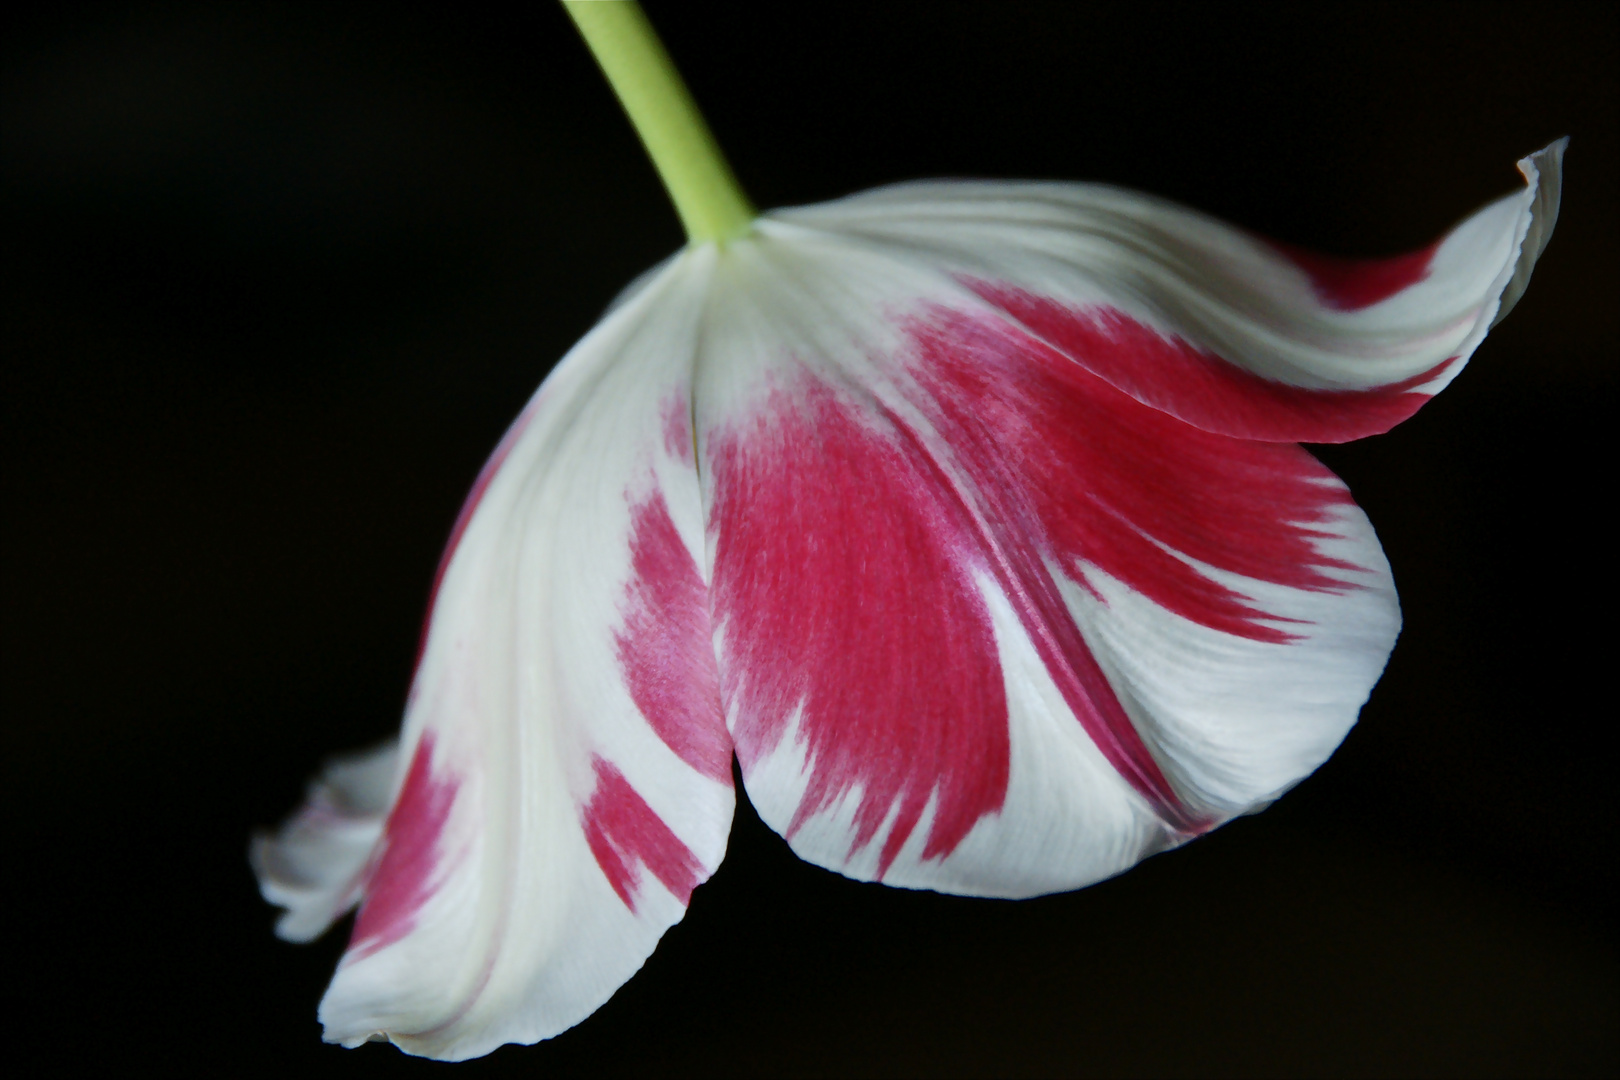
column 276, row 277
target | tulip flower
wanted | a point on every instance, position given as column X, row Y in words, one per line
column 969, row 517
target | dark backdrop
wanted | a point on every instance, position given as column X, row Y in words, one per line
column 276, row 277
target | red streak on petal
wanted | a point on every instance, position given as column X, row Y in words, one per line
column 1105, row 481
column 624, row 833
column 1353, row 284
column 1197, row 385
column 1057, row 464
column 844, row 584
column 402, row 878
column 847, row 542
column 678, row 428
column 665, row 647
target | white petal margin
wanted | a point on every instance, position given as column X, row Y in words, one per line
column 1198, row 279
column 520, row 698
column 1069, row 819
column 1235, row 722
column 314, row 865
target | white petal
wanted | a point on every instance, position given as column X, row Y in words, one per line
column 569, row 776
column 1233, row 323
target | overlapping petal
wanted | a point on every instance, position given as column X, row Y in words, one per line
column 314, row 866
column 1013, row 582
column 971, row 516
column 564, row 777
column 1219, row 327
column 986, row 623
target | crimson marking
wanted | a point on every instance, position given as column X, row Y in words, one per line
column 843, row 582
column 1058, row 454
column 401, row 880
column 1353, row 284
column 678, row 428
column 1061, row 465
column 1197, row 385
column 846, row 543
column 624, row 834
column 665, row 646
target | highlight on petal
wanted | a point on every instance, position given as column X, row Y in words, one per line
column 1209, row 323
column 566, row 769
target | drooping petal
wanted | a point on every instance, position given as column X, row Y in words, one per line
column 987, row 621
column 314, row 865
column 991, row 513
column 1221, row 328
column 565, row 775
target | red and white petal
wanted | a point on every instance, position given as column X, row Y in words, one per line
column 1232, row 594
column 314, row 865
column 565, row 780
column 1212, row 324
column 986, row 623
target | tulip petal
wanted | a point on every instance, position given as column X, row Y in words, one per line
column 970, row 515
column 1211, row 324
column 565, row 773
column 987, row 623
column 314, row 865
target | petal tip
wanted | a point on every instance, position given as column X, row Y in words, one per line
column 1543, row 173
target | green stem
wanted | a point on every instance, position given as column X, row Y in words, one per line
column 706, row 194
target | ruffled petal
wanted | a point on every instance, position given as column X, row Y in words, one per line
column 314, row 865
column 564, row 780
column 1227, row 331
column 987, row 623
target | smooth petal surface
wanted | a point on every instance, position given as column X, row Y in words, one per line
column 1221, row 328
column 565, row 776
column 1017, row 578
column 971, row 516
column 941, row 551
